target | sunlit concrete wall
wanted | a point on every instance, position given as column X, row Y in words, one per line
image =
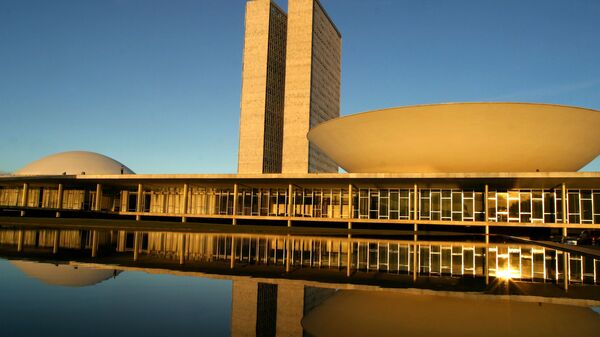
column 263, row 73
column 312, row 87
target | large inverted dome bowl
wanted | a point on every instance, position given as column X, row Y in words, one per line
column 463, row 137
column 74, row 162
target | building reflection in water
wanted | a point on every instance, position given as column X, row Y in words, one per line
column 291, row 253
column 279, row 292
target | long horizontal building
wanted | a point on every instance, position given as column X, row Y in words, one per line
column 385, row 255
column 535, row 199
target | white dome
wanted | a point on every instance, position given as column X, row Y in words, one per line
column 74, row 162
column 64, row 275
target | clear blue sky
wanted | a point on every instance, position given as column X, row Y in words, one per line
column 156, row 83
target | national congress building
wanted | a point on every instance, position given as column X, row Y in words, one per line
column 476, row 165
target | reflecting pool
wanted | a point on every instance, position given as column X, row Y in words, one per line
column 83, row 281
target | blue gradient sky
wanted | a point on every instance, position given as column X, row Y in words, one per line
column 156, row 84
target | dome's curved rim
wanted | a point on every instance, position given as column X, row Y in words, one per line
column 462, row 137
column 407, row 107
column 30, row 168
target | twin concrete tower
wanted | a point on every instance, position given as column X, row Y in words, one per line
column 290, row 83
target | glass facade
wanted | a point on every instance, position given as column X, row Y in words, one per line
column 381, row 203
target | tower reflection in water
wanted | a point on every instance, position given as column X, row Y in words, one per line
column 279, row 279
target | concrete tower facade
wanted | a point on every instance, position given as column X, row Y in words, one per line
column 290, row 83
column 263, row 81
column 312, row 84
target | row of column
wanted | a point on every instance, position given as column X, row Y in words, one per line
column 289, row 242
column 98, row 203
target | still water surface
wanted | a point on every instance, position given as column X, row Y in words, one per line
column 85, row 282
column 130, row 304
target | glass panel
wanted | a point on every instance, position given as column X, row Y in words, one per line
column 383, row 207
column 502, row 202
column 538, row 212
column 456, row 202
column 424, row 207
column 586, row 194
column 548, row 202
column 468, row 210
column 525, row 203
column 479, row 202
column 573, row 201
column 586, row 210
column 404, row 207
column 393, row 200
column 363, row 207
column 435, row 201
column 374, row 202
column 492, row 208
column 574, row 218
column 513, row 208
column 446, row 208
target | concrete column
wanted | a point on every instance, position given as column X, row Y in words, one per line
column 94, row 243
column 98, row 201
column 487, row 233
column 416, row 202
column 24, row 197
column 235, row 203
column 138, row 204
column 56, row 241
column 60, row 199
column 21, row 241
column 486, row 263
column 415, row 269
column 181, row 248
column 184, row 202
column 486, row 214
column 416, row 232
column 350, row 210
column 288, row 253
column 564, row 208
column 232, row 258
column 566, row 270
column 416, row 208
column 290, row 204
column 136, row 245
column 349, row 261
